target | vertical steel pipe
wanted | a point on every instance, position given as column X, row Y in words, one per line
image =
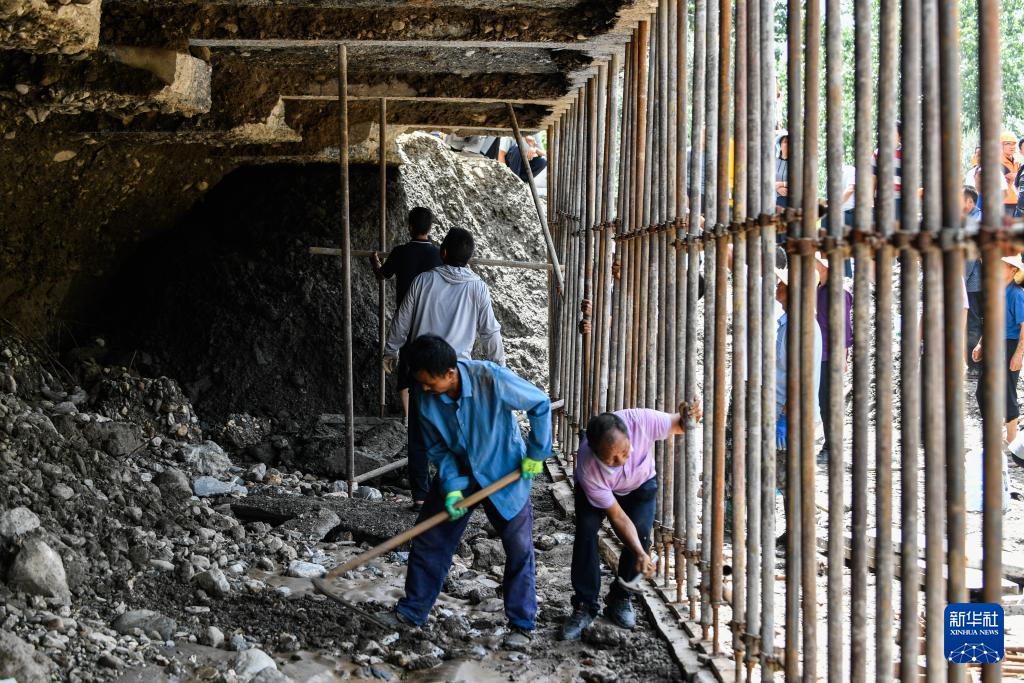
column 755, row 335
column 836, row 338
column 994, row 367
column 769, row 328
column 910, row 343
column 346, row 267
column 740, row 278
column 382, row 246
column 670, row 278
column 680, row 280
column 948, row 19
column 807, row 324
column 885, row 207
column 794, row 399
column 932, row 364
column 609, row 214
column 696, row 165
column 710, row 210
column 587, row 226
column 910, row 414
column 861, row 346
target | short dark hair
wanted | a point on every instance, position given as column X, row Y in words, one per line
column 420, row 220
column 431, row 354
column 971, row 194
column 457, row 247
column 601, row 430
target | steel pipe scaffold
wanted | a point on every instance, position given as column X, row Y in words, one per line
column 770, row 263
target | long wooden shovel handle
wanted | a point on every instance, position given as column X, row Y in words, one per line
column 429, row 523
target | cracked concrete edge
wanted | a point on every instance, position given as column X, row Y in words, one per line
column 188, row 79
column 694, row 664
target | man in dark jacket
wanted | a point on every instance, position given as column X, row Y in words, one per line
column 404, row 263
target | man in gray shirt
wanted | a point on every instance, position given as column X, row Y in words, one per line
column 452, row 302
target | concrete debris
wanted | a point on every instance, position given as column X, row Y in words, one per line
column 207, row 458
column 368, row 493
column 256, row 473
column 38, row 570
column 250, row 662
column 146, row 621
column 207, row 486
column 269, row 675
column 306, row 570
column 314, row 525
column 17, row 522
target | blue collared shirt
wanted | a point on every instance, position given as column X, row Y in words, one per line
column 476, row 436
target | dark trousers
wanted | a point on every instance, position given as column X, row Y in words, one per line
column 974, row 321
column 419, row 467
column 1012, row 379
column 823, row 392
column 639, row 506
column 431, row 558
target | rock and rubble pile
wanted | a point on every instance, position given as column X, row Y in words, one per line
column 129, row 548
column 267, row 338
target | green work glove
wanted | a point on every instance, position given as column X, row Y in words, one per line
column 450, row 500
column 531, row 468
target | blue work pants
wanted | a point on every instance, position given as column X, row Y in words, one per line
column 431, row 558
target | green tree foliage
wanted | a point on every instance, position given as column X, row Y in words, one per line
column 1011, row 30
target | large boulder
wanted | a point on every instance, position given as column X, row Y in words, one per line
column 38, row 570
column 21, row 662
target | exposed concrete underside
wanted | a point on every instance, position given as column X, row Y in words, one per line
column 117, row 116
column 186, row 67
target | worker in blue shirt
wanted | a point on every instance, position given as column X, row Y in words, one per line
column 472, row 437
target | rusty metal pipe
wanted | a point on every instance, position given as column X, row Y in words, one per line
column 346, row 268
column 993, row 325
column 382, row 244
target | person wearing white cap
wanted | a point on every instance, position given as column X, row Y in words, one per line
column 821, row 314
column 1014, row 344
column 782, row 365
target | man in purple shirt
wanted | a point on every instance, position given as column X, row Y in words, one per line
column 821, row 314
column 615, row 476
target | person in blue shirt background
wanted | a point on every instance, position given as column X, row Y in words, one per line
column 1014, row 345
column 472, row 437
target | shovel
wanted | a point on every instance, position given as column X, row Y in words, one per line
column 322, row 585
